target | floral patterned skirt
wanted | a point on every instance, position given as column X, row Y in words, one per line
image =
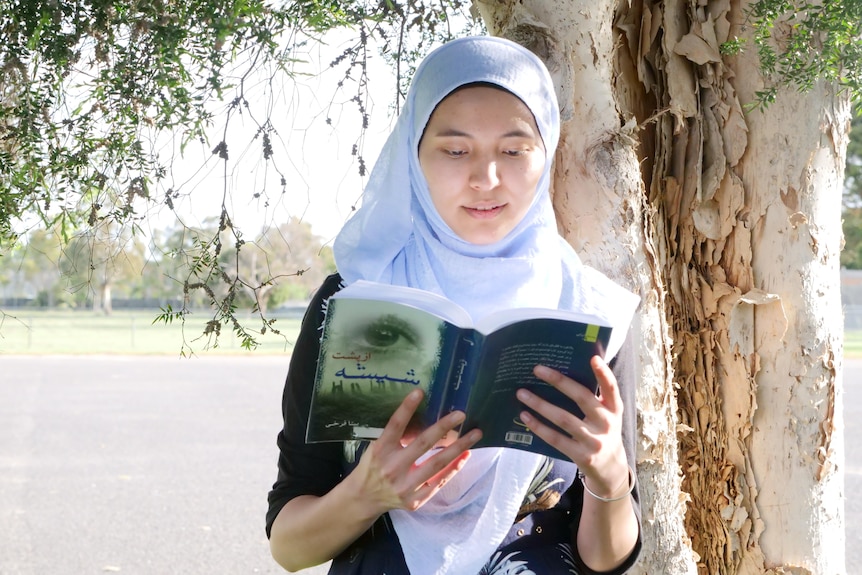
column 538, row 544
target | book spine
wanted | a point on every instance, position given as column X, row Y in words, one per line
column 438, row 393
column 467, row 355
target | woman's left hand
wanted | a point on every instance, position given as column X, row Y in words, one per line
column 594, row 443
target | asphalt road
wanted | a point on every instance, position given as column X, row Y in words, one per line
column 158, row 466
column 141, row 466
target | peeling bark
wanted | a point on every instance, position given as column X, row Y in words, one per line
column 727, row 221
column 734, row 209
column 600, row 203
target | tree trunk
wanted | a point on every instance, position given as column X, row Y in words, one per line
column 728, row 224
column 107, row 304
column 599, row 196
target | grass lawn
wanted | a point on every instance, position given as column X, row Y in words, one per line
column 129, row 332
column 853, row 344
column 133, row 332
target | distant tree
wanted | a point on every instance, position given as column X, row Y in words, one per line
column 853, row 173
column 31, row 270
column 175, row 262
column 284, row 262
column 851, row 255
column 94, row 263
column 221, row 271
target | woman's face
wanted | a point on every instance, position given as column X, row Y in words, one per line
column 482, row 156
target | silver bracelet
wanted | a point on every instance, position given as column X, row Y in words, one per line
column 583, row 479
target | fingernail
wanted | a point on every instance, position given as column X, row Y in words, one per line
column 457, row 417
column 526, row 417
column 523, row 395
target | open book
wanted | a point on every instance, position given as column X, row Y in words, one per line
column 380, row 342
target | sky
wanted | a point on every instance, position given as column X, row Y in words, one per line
column 321, row 175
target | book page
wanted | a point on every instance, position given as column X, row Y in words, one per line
column 501, row 319
column 507, row 363
column 420, row 299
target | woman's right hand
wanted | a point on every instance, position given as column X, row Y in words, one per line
column 312, row 529
column 388, row 475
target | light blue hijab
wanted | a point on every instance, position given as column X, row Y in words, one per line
column 398, row 237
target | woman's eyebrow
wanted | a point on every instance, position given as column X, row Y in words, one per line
column 454, row 133
column 451, row 133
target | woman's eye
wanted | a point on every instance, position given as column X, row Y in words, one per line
column 456, row 153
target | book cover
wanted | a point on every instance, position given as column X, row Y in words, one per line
column 380, row 342
column 372, row 354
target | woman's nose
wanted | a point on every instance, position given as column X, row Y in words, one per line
column 484, row 175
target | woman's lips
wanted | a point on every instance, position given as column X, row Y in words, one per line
column 484, row 212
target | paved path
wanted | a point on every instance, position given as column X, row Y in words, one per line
column 160, row 466
column 140, row 466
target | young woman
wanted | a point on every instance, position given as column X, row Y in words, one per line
column 458, row 203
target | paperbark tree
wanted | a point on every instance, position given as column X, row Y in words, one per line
column 727, row 221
